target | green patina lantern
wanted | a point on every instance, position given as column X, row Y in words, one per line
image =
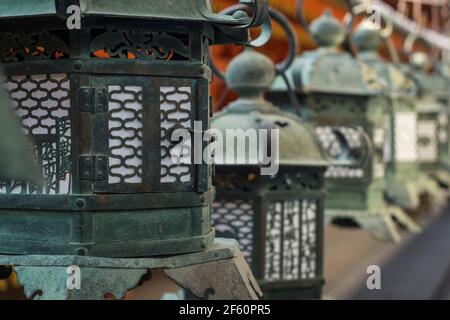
column 100, row 103
column 277, row 217
column 433, row 120
column 344, row 98
column 404, row 181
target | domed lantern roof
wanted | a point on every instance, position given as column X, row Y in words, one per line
column 251, row 75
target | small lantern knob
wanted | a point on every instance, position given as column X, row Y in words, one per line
column 367, row 37
column 327, row 30
column 420, row 61
column 251, row 74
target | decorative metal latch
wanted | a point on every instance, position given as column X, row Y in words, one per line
column 93, row 100
column 93, row 167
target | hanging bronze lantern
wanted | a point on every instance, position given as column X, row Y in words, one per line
column 277, row 218
column 101, row 102
column 345, row 100
column 433, row 124
column 404, row 181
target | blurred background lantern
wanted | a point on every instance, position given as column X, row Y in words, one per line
column 100, row 104
column 277, row 218
column 403, row 177
column 433, row 126
column 344, row 99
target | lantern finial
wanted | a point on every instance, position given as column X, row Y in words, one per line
column 367, row 37
column 250, row 74
column 327, row 30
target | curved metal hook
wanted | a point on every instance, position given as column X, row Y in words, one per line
column 278, row 17
column 263, row 21
column 260, row 9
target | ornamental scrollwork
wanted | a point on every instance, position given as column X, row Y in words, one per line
column 139, row 44
column 37, row 45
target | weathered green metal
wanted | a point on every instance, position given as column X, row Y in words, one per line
column 100, row 105
column 404, row 181
column 433, row 119
column 45, row 277
column 344, row 98
column 278, row 219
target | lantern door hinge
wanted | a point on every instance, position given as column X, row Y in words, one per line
column 93, row 167
column 93, row 100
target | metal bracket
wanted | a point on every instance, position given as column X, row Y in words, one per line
column 93, row 167
column 93, row 100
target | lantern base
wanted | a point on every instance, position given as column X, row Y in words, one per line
column 381, row 225
column 55, row 277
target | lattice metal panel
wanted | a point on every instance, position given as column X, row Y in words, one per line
column 235, row 220
column 272, row 270
column 125, row 124
column 175, row 109
column 337, row 141
column 406, row 137
column 43, row 104
column 309, row 240
column 291, row 240
column 428, row 141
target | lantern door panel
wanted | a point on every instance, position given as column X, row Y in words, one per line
column 142, row 136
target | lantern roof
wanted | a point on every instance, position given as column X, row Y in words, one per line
column 398, row 82
column 251, row 74
column 367, row 39
column 165, row 10
column 432, row 84
column 331, row 71
column 328, row 69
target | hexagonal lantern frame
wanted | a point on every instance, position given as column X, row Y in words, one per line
column 97, row 103
column 404, row 182
column 277, row 219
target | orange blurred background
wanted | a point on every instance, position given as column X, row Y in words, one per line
column 277, row 47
